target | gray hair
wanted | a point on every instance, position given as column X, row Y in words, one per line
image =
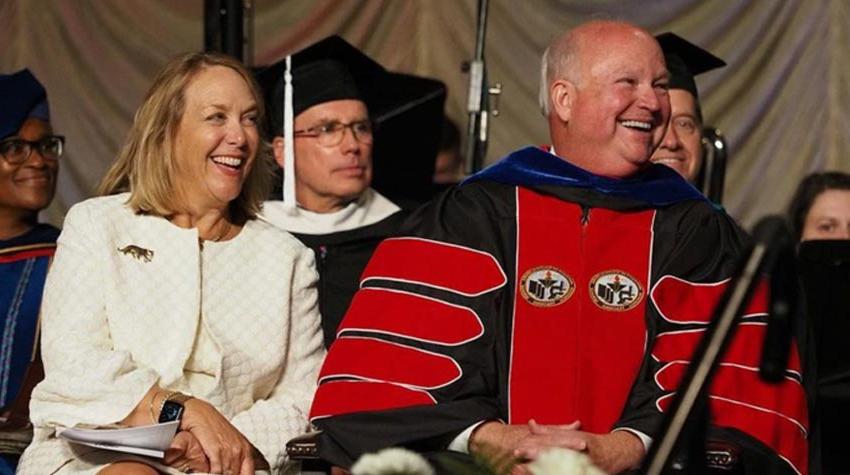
column 543, row 94
column 559, row 60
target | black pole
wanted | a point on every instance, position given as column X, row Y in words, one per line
column 477, row 103
column 223, row 27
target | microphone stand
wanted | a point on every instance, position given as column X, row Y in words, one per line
column 691, row 399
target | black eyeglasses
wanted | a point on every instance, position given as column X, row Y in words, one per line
column 330, row 134
column 16, row 150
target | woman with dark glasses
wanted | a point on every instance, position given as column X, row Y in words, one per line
column 29, row 154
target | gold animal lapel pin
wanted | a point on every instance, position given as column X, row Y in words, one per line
column 136, row 252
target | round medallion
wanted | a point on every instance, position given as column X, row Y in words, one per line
column 615, row 290
column 546, row 286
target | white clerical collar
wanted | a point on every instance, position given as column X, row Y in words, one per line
column 370, row 208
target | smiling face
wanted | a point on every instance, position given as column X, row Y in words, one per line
column 27, row 188
column 829, row 216
column 615, row 114
column 216, row 141
column 681, row 148
column 327, row 178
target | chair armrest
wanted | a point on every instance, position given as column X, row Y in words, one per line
column 304, row 447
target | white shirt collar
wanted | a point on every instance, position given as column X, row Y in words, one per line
column 369, row 208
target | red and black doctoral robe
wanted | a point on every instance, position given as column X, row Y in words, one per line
column 537, row 290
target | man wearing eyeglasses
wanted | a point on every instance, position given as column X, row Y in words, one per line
column 681, row 148
column 29, row 153
column 327, row 202
column 333, row 143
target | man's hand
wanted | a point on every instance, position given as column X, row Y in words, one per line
column 613, row 452
column 495, row 444
column 506, row 446
column 186, row 454
column 544, row 437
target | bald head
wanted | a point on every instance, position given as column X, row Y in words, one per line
column 563, row 57
column 606, row 91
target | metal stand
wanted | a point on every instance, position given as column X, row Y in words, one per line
column 478, row 99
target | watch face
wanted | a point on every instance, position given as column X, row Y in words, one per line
column 171, row 411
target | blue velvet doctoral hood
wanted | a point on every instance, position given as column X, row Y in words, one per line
column 657, row 186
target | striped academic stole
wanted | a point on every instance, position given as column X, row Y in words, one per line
column 579, row 331
column 23, row 270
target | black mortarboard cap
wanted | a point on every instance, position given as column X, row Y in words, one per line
column 315, row 80
column 686, row 60
column 407, row 110
column 21, row 96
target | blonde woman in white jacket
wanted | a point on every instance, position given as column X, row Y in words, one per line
column 168, row 299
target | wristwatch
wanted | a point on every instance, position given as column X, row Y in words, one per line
column 172, row 407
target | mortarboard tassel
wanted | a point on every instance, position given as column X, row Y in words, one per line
column 289, row 203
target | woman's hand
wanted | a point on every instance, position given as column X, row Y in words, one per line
column 186, row 454
column 228, row 451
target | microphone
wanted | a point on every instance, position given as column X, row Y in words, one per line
column 780, row 264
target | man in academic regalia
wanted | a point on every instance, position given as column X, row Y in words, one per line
column 681, row 148
column 338, row 95
column 555, row 298
column 29, row 153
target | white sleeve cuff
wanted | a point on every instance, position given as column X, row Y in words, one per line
column 461, row 442
column 644, row 439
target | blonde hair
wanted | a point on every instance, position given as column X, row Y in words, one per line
column 146, row 166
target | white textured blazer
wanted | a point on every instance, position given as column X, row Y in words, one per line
column 122, row 308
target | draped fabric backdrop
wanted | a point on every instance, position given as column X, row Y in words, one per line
column 782, row 102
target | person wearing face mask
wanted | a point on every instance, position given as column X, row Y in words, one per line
column 29, row 163
column 681, row 148
column 819, row 214
column 339, row 96
column 554, row 299
column 168, row 300
column 820, row 208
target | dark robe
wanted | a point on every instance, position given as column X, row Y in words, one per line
column 340, row 259
column 23, row 268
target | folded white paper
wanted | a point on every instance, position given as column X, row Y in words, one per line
column 151, row 441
